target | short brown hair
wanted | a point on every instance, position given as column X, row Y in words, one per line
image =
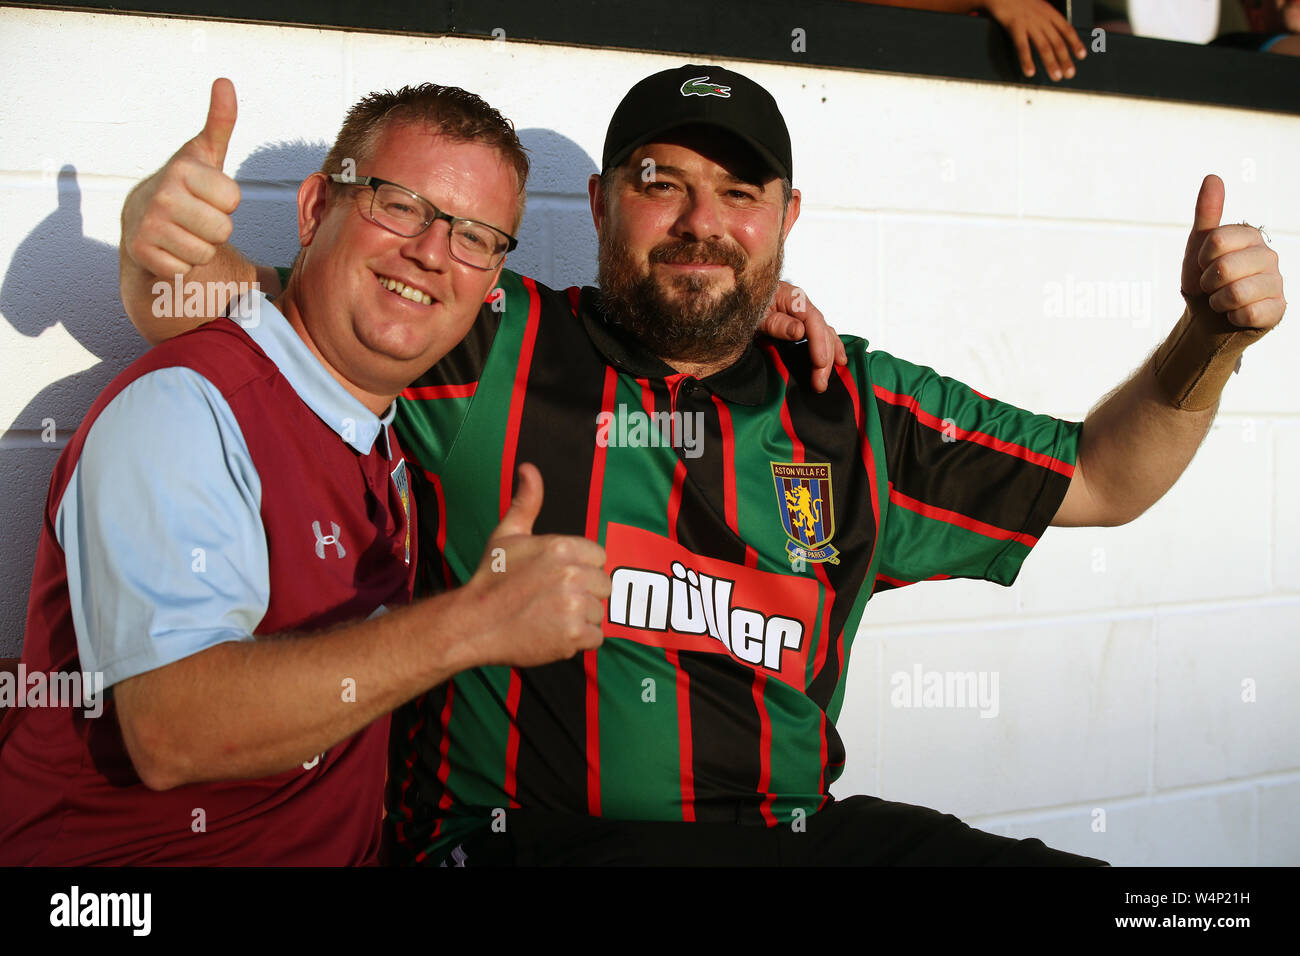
column 455, row 113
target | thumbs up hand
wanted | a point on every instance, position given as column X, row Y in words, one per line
column 534, row 598
column 177, row 218
column 1230, row 269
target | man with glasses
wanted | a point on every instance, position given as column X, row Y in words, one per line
column 229, row 536
column 405, row 213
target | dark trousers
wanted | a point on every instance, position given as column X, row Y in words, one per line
column 859, row 831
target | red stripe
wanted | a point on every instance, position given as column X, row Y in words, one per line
column 869, row 462
column 597, row 485
column 647, row 396
column 960, row 520
column 675, row 498
column 899, row 583
column 512, row 740
column 440, row 391
column 444, row 764
column 679, row 470
column 764, row 750
column 436, row 483
column 509, row 454
column 683, row 679
column 729, row 498
column 511, row 449
column 751, row 560
column 797, row 454
column 593, row 734
column 594, row 498
column 980, row 438
column 820, row 662
column 825, row 756
column 797, row 447
column 686, row 753
column 400, row 819
column 685, row 746
column 575, row 296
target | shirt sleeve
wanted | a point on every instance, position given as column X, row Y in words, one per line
column 973, row 482
column 161, row 529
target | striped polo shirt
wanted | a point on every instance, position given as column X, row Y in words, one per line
column 747, row 520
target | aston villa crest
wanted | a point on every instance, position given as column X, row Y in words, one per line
column 404, row 490
column 803, row 494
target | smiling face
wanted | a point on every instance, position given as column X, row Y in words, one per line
column 346, row 297
column 691, row 231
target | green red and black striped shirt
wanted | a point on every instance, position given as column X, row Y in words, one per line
column 746, row 519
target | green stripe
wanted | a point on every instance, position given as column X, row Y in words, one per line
column 640, row 766
column 795, row 756
column 427, row 426
column 479, row 729
column 635, row 492
column 944, row 397
column 479, row 726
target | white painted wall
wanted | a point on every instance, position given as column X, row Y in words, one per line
column 953, row 223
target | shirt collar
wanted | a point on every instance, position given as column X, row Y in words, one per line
column 743, row 382
column 319, row 390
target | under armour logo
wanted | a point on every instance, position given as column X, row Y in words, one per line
column 458, row 856
column 332, row 538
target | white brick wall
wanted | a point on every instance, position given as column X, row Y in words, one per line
column 939, row 220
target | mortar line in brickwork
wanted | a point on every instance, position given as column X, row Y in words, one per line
column 1065, row 810
column 113, row 182
column 1083, row 617
column 1008, row 217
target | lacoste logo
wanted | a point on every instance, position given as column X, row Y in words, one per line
column 700, row 86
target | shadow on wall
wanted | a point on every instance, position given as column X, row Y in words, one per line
column 557, row 242
column 58, row 276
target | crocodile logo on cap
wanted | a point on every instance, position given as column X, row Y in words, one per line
column 700, row 86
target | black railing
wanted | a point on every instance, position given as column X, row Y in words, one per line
column 819, row 33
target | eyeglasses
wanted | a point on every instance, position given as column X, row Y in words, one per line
column 397, row 209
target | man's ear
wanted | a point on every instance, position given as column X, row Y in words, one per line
column 791, row 213
column 313, row 197
column 597, row 196
column 496, row 281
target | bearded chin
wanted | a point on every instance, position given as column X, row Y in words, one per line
column 693, row 323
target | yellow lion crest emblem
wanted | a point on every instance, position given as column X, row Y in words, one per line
column 805, row 513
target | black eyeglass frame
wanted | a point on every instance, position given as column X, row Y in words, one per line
column 374, row 182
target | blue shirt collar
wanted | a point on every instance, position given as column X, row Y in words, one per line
column 319, row 390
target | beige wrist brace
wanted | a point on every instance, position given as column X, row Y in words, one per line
column 1194, row 363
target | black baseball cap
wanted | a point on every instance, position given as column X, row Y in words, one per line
column 705, row 95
